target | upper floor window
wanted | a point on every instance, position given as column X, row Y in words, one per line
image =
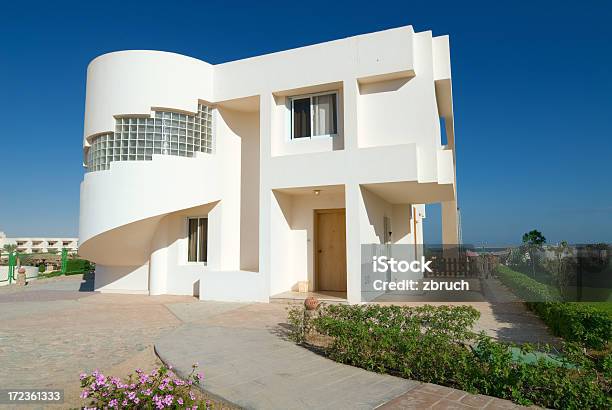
column 314, row 115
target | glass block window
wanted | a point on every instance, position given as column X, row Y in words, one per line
column 96, row 157
column 165, row 133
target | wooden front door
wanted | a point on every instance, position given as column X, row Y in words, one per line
column 330, row 249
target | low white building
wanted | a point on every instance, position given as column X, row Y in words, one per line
column 40, row 244
column 238, row 181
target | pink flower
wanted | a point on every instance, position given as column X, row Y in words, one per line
column 179, row 401
column 100, row 380
column 191, row 396
column 113, row 403
column 82, row 376
column 84, row 394
column 124, row 403
column 200, row 376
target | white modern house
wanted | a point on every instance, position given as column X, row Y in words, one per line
column 241, row 180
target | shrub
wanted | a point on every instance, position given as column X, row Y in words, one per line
column 41, row 268
column 437, row 345
column 77, row 266
column 160, row 389
column 527, row 288
column 574, row 322
column 50, row 274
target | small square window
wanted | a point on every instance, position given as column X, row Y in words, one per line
column 314, row 115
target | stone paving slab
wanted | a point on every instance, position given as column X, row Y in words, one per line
column 190, row 312
column 46, row 343
column 432, row 396
column 53, row 329
column 256, row 369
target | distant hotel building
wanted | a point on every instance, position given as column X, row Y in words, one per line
column 39, row 244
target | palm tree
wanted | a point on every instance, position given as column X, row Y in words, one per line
column 9, row 248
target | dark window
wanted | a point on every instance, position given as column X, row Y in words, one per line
column 198, row 240
column 301, row 118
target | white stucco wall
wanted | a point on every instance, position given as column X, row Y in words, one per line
column 131, row 82
column 132, row 223
column 122, row 279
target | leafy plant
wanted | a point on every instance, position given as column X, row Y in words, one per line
column 438, row 345
column 575, row 322
column 160, row 389
column 562, row 267
column 532, row 242
column 9, row 248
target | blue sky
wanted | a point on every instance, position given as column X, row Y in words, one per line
column 532, row 95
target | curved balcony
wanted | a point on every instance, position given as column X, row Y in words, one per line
column 138, row 138
column 121, row 206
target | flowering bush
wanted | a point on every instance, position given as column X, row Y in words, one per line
column 160, row 389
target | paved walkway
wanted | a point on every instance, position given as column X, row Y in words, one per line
column 247, row 361
column 52, row 330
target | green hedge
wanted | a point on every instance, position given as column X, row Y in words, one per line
column 77, row 266
column 51, row 274
column 574, row 322
column 437, row 345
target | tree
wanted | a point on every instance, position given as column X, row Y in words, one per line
column 10, row 248
column 534, row 238
column 533, row 241
column 562, row 267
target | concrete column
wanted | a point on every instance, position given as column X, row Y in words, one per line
column 158, row 264
column 450, row 223
column 352, row 194
column 354, row 205
column 350, row 104
column 266, row 103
